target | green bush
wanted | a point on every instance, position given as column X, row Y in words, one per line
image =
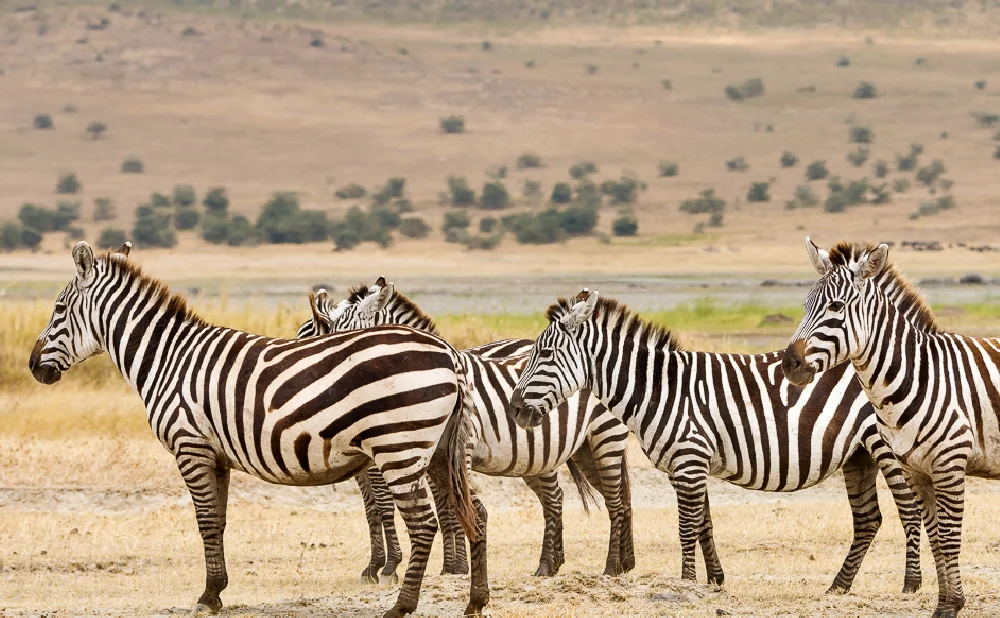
column 817, row 171
column 484, row 242
column 153, row 228
column 805, row 196
column 788, row 159
column 625, row 224
column 980, row 84
column 68, row 184
column 858, row 157
column 43, row 121
column 414, row 227
column 835, row 202
column 456, row 235
column 353, row 191
column 881, row 194
column 739, row 164
column 622, row 191
column 581, row 170
column 996, row 153
column 396, row 186
column 592, row 69
column 588, row 194
column 856, row 192
column 461, row 194
column 668, row 169
column 531, row 189
column 404, row 206
column 759, row 192
column 495, row 196
column 986, row 119
column 456, row 219
column 906, row 163
column 241, row 232
column 865, row 90
column 497, row 172
column 158, row 200
column 10, row 236
column 861, row 135
column 561, row 193
column 133, row 165
column 452, row 124
column 734, row 93
column 184, row 196
column 387, row 217
column 104, row 209
column 38, row 218
column 881, row 169
column 344, row 237
column 753, row 87
column 488, row 224
column 31, row 238
column 96, row 129
column 843, row 61
column 715, row 220
column 215, row 227
column 528, row 160
column 706, row 202
column 901, row 185
column 66, row 213
column 282, row 221
column 667, row 84
column 578, row 220
column 487, row 46
column 216, row 200
column 540, row 229
column 111, row 238
column 186, row 218
column 929, row 174
column 946, row 184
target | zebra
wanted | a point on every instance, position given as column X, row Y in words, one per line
column 731, row 416
column 292, row 412
column 936, row 394
column 584, row 435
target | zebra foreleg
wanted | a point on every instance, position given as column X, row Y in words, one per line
column 909, row 511
column 716, row 577
column 208, row 484
column 949, row 506
column 690, row 485
column 860, row 475
column 456, row 560
column 546, row 487
column 377, row 559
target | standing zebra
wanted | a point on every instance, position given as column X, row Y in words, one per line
column 732, row 416
column 292, row 412
column 936, row 394
column 583, row 434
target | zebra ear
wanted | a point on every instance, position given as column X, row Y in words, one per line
column 377, row 300
column 124, row 249
column 317, row 301
column 873, row 262
column 83, row 257
column 820, row 259
column 580, row 312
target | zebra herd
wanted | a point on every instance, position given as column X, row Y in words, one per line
column 369, row 389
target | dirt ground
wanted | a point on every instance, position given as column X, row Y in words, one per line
column 104, row 527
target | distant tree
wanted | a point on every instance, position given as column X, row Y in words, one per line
column 186, row 218
column 43, row 121
column 668, row 169
column 495, row 196
column 759, row 192
column 528, row 160
column 111, row 238
column 625, row 224
column 216, row 200
column 865, row 90
column 452, row 124
column 817, row 171
column 561, row 193
column 414, row 227
column 184, row 196
column 133, row 165
column 97, row 130
column 582, row 169
column 788, row 159
column 352, row 191
column 10, row 236
column 68, row 184
column 461, row 194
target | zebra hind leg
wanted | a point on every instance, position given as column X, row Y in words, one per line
column 209, row 487
column 716, row 577
column 386, row 509
column 949, row 507
column 612, row 484
column 546, row 487
column 456, row 561
column 377, row 556
column 860, row 474
column 414, row 504
column 908, row 507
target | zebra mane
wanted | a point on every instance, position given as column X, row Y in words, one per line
column 159, row 292
column 400, row 304
column 654, row 335
column 903, row 294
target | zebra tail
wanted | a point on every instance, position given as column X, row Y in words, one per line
column 626, row 481
column 457, row 449
column 588, row 495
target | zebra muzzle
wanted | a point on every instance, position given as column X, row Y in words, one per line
column 524, row 415
column 43, row 372
column 794, row 365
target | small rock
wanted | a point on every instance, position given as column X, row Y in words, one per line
column 722, row 612
column 669, row 597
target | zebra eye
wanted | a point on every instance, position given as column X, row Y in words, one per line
column 836, row 306
column 545, row 353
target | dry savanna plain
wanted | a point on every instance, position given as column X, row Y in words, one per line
column 309, row 98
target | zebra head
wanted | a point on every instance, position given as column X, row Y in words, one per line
column 71, row 335
column 557, row 367
column 362, row 309
column 835, row 325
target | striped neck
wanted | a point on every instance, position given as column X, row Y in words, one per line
column 403, row 311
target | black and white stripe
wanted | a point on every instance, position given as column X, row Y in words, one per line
column 294, row 412
column 732, row 416
column 936, row 394
column 583, row 434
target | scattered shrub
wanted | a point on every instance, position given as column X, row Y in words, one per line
column 38, row 218
column 10, row 236
column 626, row 224
column 241, row 232
column 715, row 220
column 753, row 87
column 738, row 164
column 986, row 119
column 184, row 196
column 111, row 238
column 578, row 220
column 153, row 228
column 404, row 206
column 582, row 169
column 668, row 169
column 592, row 69
column 31, row 238
column 133, row 165
column 946, row 184
column 843, row 61
column 497, row 172
column 901, row 185
column 996, row 153
column 561, row 193
column 835, row 202
column 531, row 189
column 43, row 121
column 622, row 191
column 186, row 218
column 216, row 200
column 788, row 159
column 456, row 219
column 495, row 196
column 980, row 84
column 488, row 224
column 456, row 235
column 588, row 194
column 461, row 194
column 817, row 171
column 865, row 90
column 667, row 84
column 529, row 64
column 528, row 160
column 858, row 157
column 352, row 191
column 706, row 202
column 158, row 200
column 906, row 163
column 805, row 195
column 881, row 194
column 861, row 135
column 68, row 184
column 97, row 130
column 487, row 46
column 104, row 209
column 484, row 243
column 734, row 93
column 929, row 174
column 282, row 221
column 759, row 192
column 215, row 227
column 414, row 227
column 453, row 124
column 857, row 192
column 65, row 214
column 881, row 169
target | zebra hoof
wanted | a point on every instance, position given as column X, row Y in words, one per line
column 717, row 581
column 388, row 580
column 837, row 589
column 544, row 570
column 200, row 609
column 910, row 587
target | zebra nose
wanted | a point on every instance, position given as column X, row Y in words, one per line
column 794, row 365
